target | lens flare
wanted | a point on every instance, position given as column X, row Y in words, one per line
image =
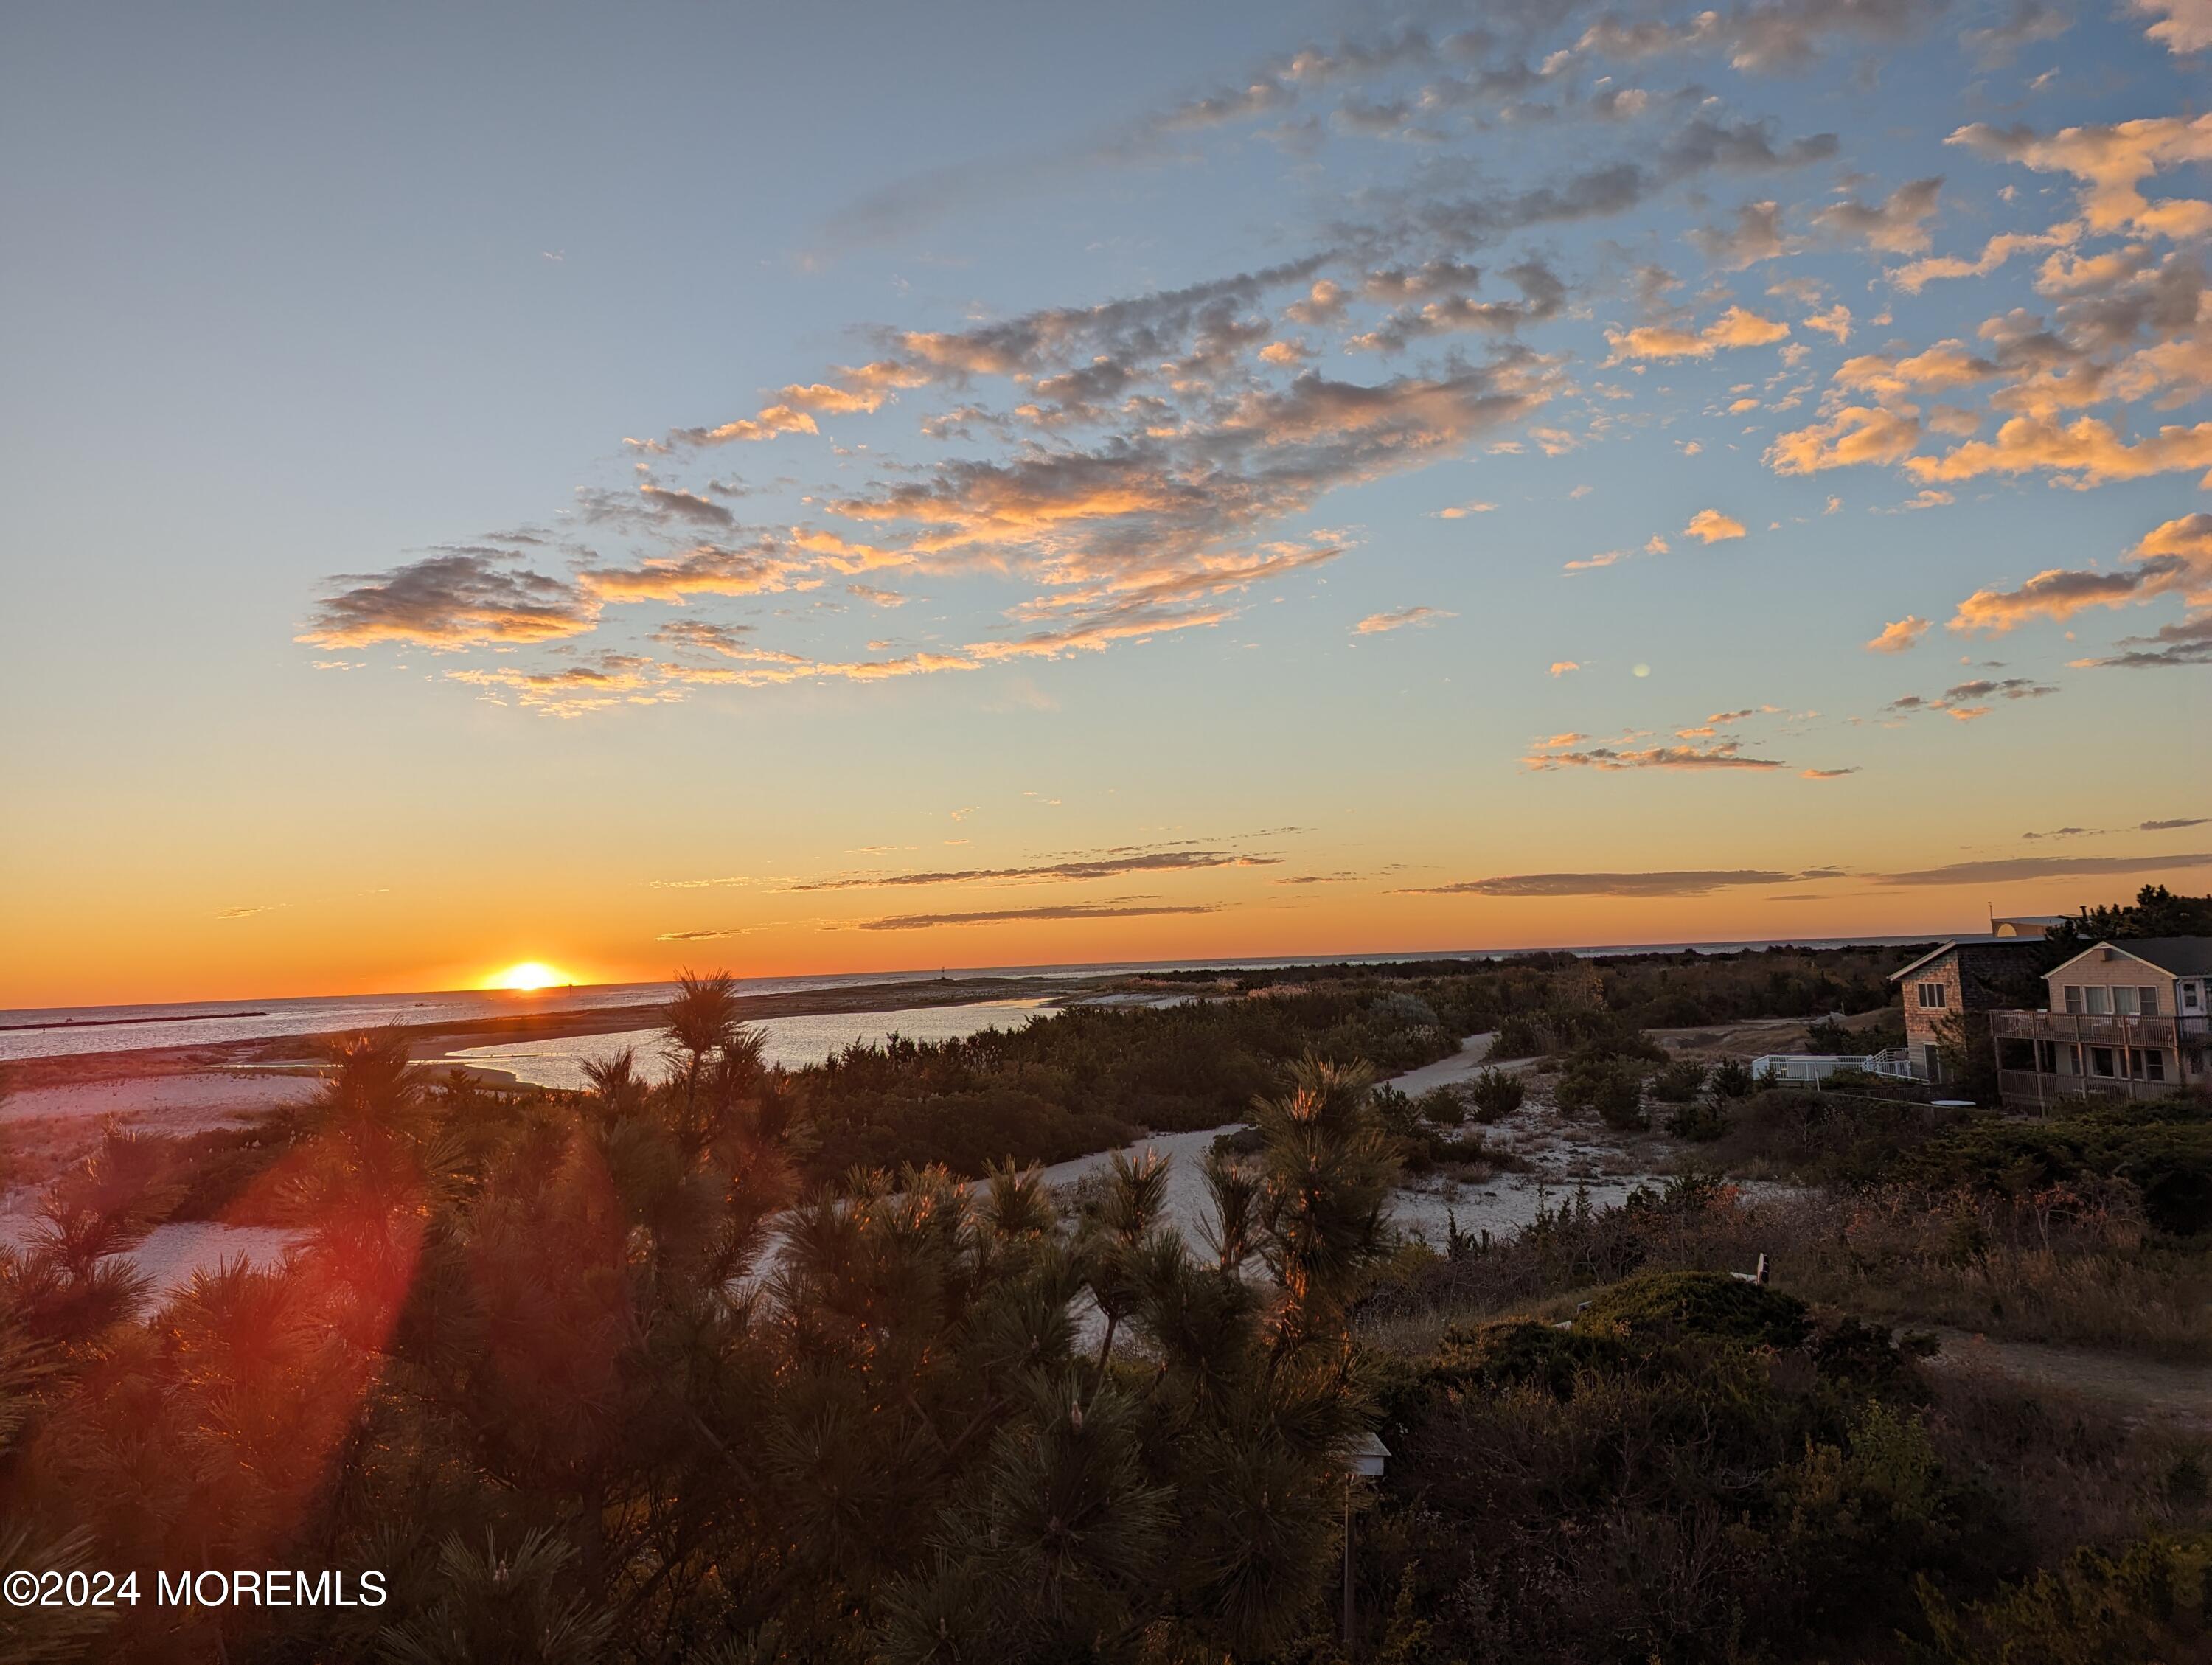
column 529, row 974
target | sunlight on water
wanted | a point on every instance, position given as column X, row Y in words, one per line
column 793, row 1042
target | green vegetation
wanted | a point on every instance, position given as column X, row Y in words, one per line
column 733, row 1367
column 552, row 1368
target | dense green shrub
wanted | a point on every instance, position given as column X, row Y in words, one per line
column 2163, row 1149
column 1496, row 1094
column 1701, row 1121
column 1678, row 1082
column 1612, row 1087
column 1731, row 1078
column 1706, row 1305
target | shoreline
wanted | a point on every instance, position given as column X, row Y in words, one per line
column 435, row 1042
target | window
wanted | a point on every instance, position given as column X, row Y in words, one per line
column 2073, row 998
column 2101, row 1000
column 2100, row 1060
column 1933, row 994
column 2189, row 1001
column 2123, row 1002
column 2148, row 995
column 2155, row 1060
column 2046, row 1057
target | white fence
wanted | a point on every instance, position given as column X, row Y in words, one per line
column 1811, row 1069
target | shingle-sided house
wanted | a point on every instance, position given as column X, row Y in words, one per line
column 2125, row 1019
column 1969, row 974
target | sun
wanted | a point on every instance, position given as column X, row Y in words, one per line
column 529, row 974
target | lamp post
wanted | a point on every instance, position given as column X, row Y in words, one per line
column 1367, row 1458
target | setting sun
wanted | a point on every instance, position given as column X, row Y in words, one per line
column 529, row 974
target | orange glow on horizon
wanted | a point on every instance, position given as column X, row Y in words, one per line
column 528, row 976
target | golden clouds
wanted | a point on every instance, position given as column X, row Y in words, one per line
column 1711, row 526
column 1737, row 327
column 1856, row 434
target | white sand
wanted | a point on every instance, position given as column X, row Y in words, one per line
column 173, row 1103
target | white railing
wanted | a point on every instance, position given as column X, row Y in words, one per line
column 1800, row 1069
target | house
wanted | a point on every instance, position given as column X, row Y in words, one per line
column 1971, row 973
column 2131, row 1019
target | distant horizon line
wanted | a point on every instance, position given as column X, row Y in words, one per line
column 920, row 973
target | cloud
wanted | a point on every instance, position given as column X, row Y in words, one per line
column 879, row 598
column 1899, row 635
column 1678, row 883
column 703, row 569
column 772, row 420
column 2111, row 160
column 2014, row 870
column 1113, row 865
column 1825, row 773
column 575, row 690
column 1856, row 434
column 2173, row 826
column 1737, row 327
column 1376, row 624
column 1542, row 294
column 452, row 599
column 2087, row 453
column 2173, row 558
column 1896, row 225
column 1071, row 910
column 1719, row 754
column 1778, row 35
column 1562, row 667
column 2029, row 23
column 2185, row 26
column 1711, row 526
column 247, row 912
column 1460, row 511
column 2189, row 642
column 1756, row 235
column 1916, row 275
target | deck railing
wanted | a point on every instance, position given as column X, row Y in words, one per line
column 2165, row 1029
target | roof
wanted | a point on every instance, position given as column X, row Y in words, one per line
column 2002, row 944
column 2178, row 957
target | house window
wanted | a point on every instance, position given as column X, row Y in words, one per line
column 2189, row 1001
column 2154, row 1065
column 2148, row 995
column 2073, row 998
column 2123, row 1002
column 2100, row 1060
column 2101, row 1000
column 1933, row 994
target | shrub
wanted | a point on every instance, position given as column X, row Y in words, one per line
column 1678, row 1082
column 1612, row 1087
column 1701, row 1121
column 1496, row 1093
column 1731, row 1078
column 1518, row 1036
column 1442, row 1107
column 1696, row 1305
column 2163, row 1149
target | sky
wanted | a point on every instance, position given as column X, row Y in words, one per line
column 824, row 488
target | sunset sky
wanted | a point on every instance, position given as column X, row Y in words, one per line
column 818, row 488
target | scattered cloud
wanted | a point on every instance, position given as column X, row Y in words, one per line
column 1718, row 755
column 1115, row 864
column 2015, row 869
column 1901, row 636
column 1697, row 883
column 1063, row 911
column 1711, row 526
column 1378, row 623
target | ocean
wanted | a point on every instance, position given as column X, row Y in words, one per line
column 67, row 1031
